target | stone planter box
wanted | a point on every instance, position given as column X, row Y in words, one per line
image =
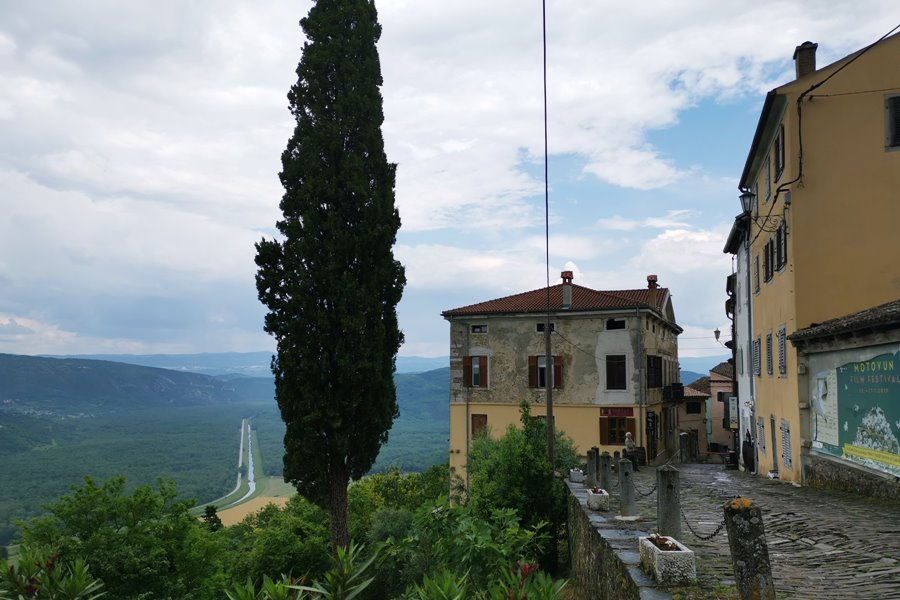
column 597, row 499
column 576, row 476
column 670, row 567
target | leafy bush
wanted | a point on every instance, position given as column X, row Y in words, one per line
column 144, row 545
column 514, row 472
column 42, row 575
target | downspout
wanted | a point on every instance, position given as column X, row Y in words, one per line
column 752, row 375
column 638, row 363
column 468, row 391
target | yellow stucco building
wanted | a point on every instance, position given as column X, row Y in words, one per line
column 822, row 236
column 613, row 355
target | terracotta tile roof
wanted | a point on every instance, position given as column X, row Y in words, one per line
column 690, row 392
column 701, row 385
column 583, row 299
column 883, row 316
column 725, row 369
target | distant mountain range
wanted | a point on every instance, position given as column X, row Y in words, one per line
column 247, row 364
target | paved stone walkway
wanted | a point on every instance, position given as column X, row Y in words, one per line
column 823, row 545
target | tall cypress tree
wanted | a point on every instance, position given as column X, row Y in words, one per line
column 330, row 281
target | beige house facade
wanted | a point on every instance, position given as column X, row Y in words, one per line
column 820, row 233
column 613, row 353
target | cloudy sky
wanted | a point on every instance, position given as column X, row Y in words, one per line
column 140, row 144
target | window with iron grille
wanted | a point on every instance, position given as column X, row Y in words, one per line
column 769, row 353
column 782, row 351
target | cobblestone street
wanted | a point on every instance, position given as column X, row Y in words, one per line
column 822, row 544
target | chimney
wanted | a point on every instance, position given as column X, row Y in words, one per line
column 567, row 289
column 652, row 285
column 805, row 58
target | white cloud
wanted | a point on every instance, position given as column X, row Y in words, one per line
column 140, row 144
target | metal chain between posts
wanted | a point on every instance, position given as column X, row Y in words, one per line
column 639, row 492
column 704, row 538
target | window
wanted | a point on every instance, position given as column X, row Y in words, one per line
column 768, row 175
column 540, row 327
column 479, row 425
column 769, row 353
column 615, row 324
column 654, row 371
column 475, row 371
column 786, row 443
column 740, row 360
column 769, row 259
column 756, row 360
column 613, row 430
column 479, row 328
column 892, row 122
column 693, row 408
column 779, row 153
column 537, row 372
column 615, row 372
column 782, row 351
column 761, row 435
column 781, row 246
column 756, row 273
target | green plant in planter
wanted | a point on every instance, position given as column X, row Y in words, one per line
column 42, row 575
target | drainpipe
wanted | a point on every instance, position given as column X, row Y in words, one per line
column 637, row 366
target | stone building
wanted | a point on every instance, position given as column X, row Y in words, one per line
column 612, row 355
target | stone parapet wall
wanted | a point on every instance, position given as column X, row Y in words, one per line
column 605, row 560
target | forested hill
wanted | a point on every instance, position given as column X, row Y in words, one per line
column 87, row 385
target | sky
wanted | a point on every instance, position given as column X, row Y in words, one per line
column 140, row 147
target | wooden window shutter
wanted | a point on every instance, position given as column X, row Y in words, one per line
column 479, row 424
column 482, row 372
column 557, row 372
column 467, row 371
column 532, row 371
column 630, row 427
column 604, row 431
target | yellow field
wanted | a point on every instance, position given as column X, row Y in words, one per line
column 232, row 516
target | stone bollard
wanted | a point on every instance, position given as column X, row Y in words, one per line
column 596, row 463
column 616, row 458
column 668, row 501
column 749, row 551
column 627, row 507
column 603, row 476
column 590, row 475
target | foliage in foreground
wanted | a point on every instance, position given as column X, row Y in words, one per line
column 42, row 575
column 514, row 472
column 143, row 545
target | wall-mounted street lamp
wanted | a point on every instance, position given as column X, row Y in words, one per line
column 747, row 199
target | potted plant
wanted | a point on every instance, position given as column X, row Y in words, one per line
column 597, row 499
column 668, row 560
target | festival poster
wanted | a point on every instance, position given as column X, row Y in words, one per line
column 868, row 402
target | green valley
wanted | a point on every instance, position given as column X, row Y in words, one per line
column 63, row 419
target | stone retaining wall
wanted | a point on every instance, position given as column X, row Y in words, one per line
column 819, row 471
column 605, row 559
